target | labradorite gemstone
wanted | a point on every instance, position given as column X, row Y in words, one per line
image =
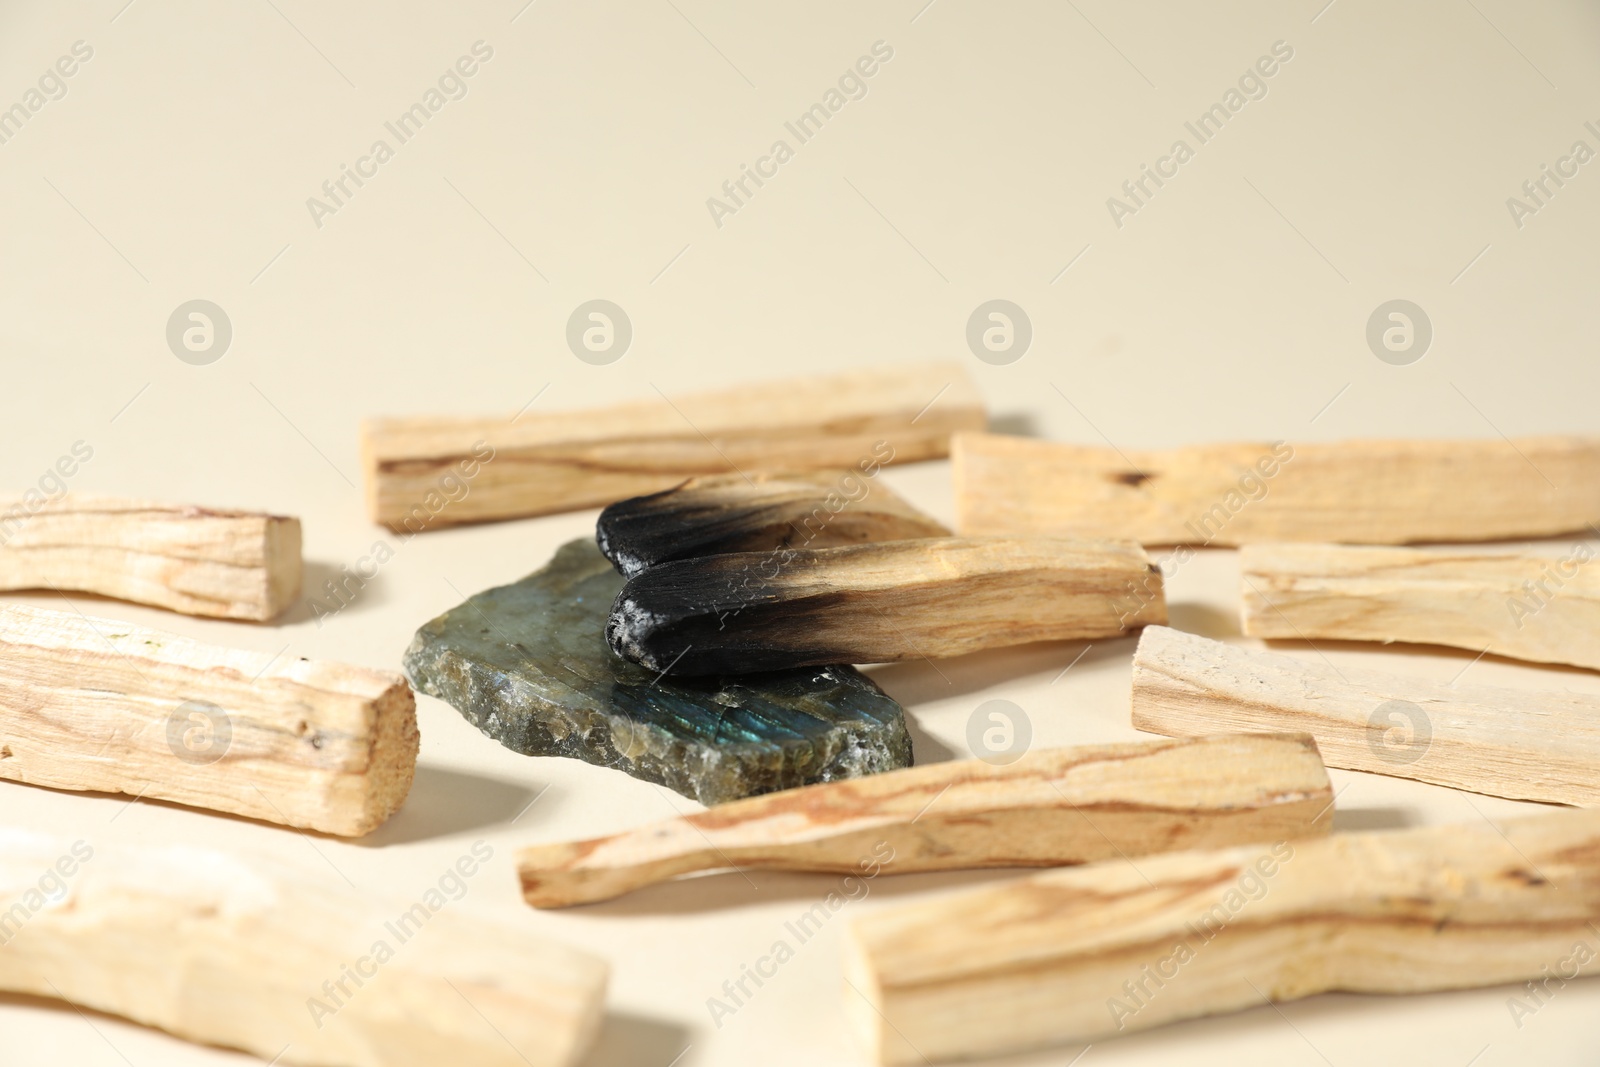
column 528, row 664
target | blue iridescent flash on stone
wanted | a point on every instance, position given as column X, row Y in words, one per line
column 528, row 664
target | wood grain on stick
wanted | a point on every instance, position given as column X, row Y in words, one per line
column 1512, row 743
column 228, row 564
column 291, row 968
column 562, row 461
column 1543, row 607
column 873, row 603
column 1363, row 491
column 96, row 704
column 1049, row 808
column 1089, row 953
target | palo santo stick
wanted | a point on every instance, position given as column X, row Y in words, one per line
column 104, row 705
column 1084, row 954
column 896, row 600
column 1049, row 808
column 1380, row 492
column 227, row 564
column 739, row 513
column 1503, row 742
column 542, row 463
column 1544, row 608
column 294, row 969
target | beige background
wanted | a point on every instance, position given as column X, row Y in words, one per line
column 1234, row 304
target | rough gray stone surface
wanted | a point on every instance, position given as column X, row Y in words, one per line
column 528, row 664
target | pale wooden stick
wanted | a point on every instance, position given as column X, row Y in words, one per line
column 300, row 971
column 1503, row 742
column 228, row 564
column 874, row 603
column 562, row 461
column 1084, row 954
column 1543, row 607
column 1382, row 492
column 103, row 705
column 1052, row 807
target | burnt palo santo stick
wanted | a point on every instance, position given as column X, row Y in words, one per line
column 876, row 603
column 735, row 513
column 1050, row 808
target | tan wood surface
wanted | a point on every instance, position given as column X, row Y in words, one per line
column 543, row 462
column 1364, row 491
column 237, row 953
column 1504, row 742
column 1543, row 607
column 1049, row 808
column 96, row 704
column 1086, row 954
column 228, row 564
